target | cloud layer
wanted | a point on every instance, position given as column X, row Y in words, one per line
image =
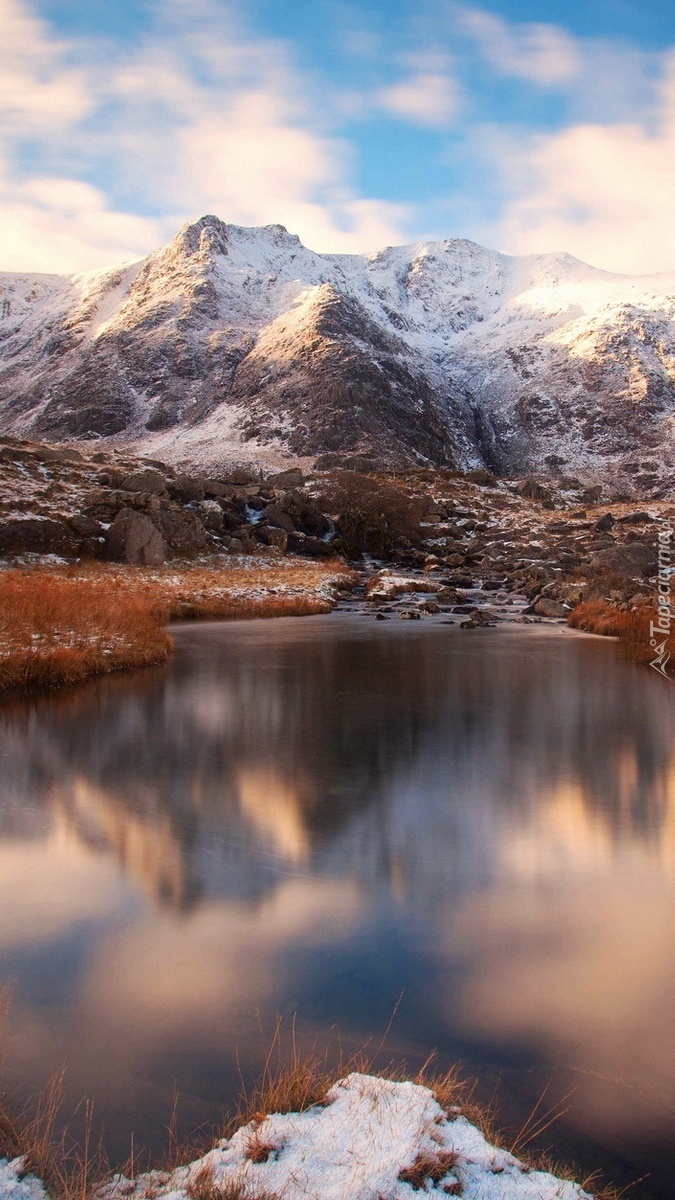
column 107, row 144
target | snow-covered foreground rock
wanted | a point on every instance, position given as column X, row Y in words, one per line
column 372, row 1140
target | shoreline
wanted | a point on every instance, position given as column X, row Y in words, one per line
column 76, row 622
column 67, row 624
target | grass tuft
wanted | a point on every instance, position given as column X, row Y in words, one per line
column 204, row 1187
column 257, row 1149
column 428, row 1166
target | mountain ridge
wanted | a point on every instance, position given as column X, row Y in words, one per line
column 232, row 341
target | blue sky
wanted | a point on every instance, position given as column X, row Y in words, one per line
column 527, row 127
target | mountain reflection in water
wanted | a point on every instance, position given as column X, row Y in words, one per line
column 314, row 814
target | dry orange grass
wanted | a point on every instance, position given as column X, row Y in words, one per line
column 630, row 627
column 59, row 626
column 55, row 628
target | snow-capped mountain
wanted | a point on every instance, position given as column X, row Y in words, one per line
column 443, row 353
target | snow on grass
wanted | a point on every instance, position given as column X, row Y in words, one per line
column 372, row 1139
column 14, row 1185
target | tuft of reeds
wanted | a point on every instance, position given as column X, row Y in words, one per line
column 204, row 1187
column 57, row 628
column 61, row 625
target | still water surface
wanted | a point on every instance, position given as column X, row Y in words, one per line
column 313, row 816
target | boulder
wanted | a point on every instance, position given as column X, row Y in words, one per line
column 635, row 518
column 214, row 521
column 17, row 454
column 85, row 526
column 240, row 477
column 299, row 543
column 633, row 561
column 36, row 535
column 274, row 515
column 532, row 490
column 144, row 481
column 482, row 477
column 187, row 489
column 306, row 515
column 269, row 536
column 132, row 538
column 52, row 454
column 545, row 607
column 448, row 595
column 213, row 487
column 183, row 532
column 286, row 480
column 605, row 523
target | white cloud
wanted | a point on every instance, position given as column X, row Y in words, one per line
column 64, row 225
column 202, row 115
column 602, row 192
column 198, row 117
column 38, row 91
column 425, row 98
column 542, row 54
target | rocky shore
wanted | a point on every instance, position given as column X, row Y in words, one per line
column 471, row 548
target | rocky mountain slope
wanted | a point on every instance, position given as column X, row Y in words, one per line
column 240, row 344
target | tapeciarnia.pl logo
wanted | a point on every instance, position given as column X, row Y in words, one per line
column 659, row 630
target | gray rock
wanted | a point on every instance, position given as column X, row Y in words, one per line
column 532, row 490
column 482, row 477
column 86, row 526
column 286, row 480
column 213, row 487
column 633, row 561
column 299, row 543
column 186, row 489
column 269, row 536
column 36, row 535
column 52, row 454
column 183, row 532
column 635, row 518
column 132, row 538
column 545, row 607
column 605, row 523
column 240, row 477
column 144, row 481
column 275, row 515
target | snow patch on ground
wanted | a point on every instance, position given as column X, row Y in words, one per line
column 14, row 1185
column 358, row 1146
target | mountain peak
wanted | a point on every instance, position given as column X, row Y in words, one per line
column 208, row 236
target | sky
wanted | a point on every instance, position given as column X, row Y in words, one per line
column 527, row 127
